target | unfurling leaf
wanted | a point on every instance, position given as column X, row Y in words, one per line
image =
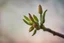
column 44, row 15
column 34, row 32
column 26, row 18
column 31, row 28
column 40, row 9
column 28, row 23
column 31, row 18
column 35, row 18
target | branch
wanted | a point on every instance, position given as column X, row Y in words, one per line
column 55, row 33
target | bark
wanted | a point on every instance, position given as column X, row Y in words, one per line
column 55, row 33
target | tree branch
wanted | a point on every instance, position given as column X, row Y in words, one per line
column 55, row 33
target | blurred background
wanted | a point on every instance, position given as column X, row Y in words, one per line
column 14, row 30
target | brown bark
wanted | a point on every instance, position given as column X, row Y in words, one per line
column 55, row 33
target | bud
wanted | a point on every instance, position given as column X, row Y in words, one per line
column 40, row 9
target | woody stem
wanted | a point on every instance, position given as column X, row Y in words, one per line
column 54, row 33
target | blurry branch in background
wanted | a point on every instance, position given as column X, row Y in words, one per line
column 36, row 25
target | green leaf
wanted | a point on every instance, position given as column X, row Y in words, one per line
column 44, row 16
column 31, row 28
column 31, row 18
column 34, row 32
column 35, row 18
column 26, row 18
column 28, row 23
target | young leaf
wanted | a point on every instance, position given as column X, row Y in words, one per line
column 35, row 18
column 26, row 18
column 34, row 32
column 28, row 23
column 44, row 15
column 31, row 28
column 31, row 18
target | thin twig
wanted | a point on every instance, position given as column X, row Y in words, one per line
column 54, row 33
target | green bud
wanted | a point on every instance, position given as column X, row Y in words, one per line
column 40, row 9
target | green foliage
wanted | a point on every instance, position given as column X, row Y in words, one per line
column 35, row 18
column 26, row 18
column 28, row 23
column 44, row 16
column 34, row 32
column 31, row 28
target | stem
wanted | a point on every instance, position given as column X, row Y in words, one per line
column 41, row 19
column 55, row 33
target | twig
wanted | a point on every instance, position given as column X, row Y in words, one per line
column 35, row 23
column 54, row 33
